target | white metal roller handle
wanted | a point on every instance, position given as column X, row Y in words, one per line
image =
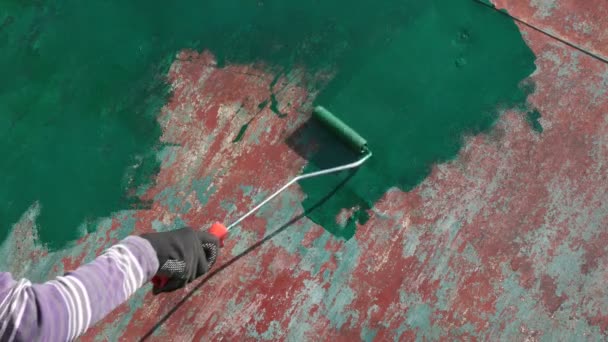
column 299, row 178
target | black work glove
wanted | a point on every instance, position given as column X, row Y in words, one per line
column 183, row 255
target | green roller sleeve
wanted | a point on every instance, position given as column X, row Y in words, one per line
column 340, row 129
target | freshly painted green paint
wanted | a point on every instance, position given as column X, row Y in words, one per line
column 439, row 76
column 82, row 83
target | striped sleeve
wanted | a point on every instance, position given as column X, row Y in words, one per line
column 64, row 308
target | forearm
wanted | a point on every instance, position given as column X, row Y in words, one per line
column 64, row 308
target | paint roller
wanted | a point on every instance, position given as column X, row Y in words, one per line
column 333, row 124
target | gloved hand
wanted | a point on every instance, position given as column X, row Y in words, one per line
column 183, row 255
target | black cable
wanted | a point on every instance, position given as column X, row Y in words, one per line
column 521, row 21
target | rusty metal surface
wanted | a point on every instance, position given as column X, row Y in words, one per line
column 582, row 23
column 505, row 242
column 508, row 241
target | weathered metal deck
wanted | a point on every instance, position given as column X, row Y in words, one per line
column 507, row 241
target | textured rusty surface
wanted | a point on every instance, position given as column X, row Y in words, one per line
column 504, row 242
column 582, row 23
column 507, row 241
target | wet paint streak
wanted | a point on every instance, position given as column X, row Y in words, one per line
column 241, row 133
column 533, row 120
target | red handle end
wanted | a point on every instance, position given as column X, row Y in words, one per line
column 159, row 281
column 220, row 231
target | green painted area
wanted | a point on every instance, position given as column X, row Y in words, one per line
column 241, row 133
column 532, row 118
column 83, row 81
column 274, row 104
column 413, row 93
column 262, row 104
column 77, row 117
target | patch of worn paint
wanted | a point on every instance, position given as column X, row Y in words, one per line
column 448, row 284
column 368, row 335
column 566, row 268
column 413, row 105
column 133, row 304
column 167, row 155
column 229, row 206
column 272, row 333
column 247, row 190
column 411, row 241
column 332, row 296
column 170, row 198
column 544, row 7
column 126, row 223
column 298, row 326
column 204, row 189
column 245, row 239
column 339, row 297
column 470, row 254
column 519, row 314
column 418, row 318
column 532, row 119
column 159, row 226
column 22, row 239
column 261, row 126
